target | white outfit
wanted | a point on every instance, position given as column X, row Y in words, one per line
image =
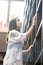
column 13, row 54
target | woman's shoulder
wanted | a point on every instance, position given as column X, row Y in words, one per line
column 14, row 31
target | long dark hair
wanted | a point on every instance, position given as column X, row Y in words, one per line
column 12, row 24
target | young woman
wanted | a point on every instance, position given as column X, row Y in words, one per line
column 15, row 42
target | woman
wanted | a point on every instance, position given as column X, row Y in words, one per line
column 15, row 42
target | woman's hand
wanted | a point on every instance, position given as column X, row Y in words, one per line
column 29, row 32
column 34, row 20
column 29, row 49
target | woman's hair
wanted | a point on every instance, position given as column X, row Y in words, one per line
column 12, row 24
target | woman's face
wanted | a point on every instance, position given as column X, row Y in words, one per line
column 19, row 24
